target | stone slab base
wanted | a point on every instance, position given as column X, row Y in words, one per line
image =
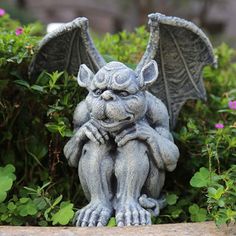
column 183, row 229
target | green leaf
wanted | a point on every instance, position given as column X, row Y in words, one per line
column 40, row 203
column 31, row 209
column 37, row 88
column 193, row 209
column 216, row 193
column 221, row 203
column 5, row 183
column 176, row 213
column 53, row 128
column 57, row 201
column 11, row 206
column 8, row 170
column 43, row 223
column 64, row 215
column 27, row 209
column 3, row 196
column 22, row 210
column 197, row 214
column 171, row 199
column 22, row 83
column 24, row 200
column 3, row 207
column 36, row 148
column 112, row 222
column 201, row 178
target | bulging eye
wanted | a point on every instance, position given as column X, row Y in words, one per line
column 123, row 94
column 97, row 92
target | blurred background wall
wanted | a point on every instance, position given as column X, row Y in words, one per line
column 218, row 17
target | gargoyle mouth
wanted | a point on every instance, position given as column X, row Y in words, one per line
column 108, row 122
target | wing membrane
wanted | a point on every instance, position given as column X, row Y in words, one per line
column 66, row 49
column 181, row 50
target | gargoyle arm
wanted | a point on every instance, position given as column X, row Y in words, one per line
column 73, row 148
column 162, row 147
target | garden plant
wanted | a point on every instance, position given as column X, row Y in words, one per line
column 37, row 187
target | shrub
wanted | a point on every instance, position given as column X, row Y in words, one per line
column 35, row 121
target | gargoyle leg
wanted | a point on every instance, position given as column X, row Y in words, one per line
column 131, row 170
column 95, row 170
column 155, row 181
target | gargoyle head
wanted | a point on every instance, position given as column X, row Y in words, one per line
column 117, row 94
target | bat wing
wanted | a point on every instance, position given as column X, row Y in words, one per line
column 181, row 51
column 65, row 49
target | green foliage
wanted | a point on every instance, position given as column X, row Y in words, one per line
column 171, row 199
column 124, row 47
column 207, row 151
column 197, row 214
column 34, row 118
column 35, row 121
column 112, row 222
column 201, row 178
column 7, row 177
column 221, row 193
column 33, row 205
column 64, row 215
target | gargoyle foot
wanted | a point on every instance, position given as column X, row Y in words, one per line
column 152, row 205
column 94, row 214
column 131, row 213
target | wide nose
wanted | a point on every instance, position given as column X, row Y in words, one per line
column 108, row 95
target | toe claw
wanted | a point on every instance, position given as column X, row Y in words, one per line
column 84, row 224
column 142, row 217
column 74, row 221
column 120, row 224
column 77, row 223
column 128, row 218
column 135, row 218
column 100, row 224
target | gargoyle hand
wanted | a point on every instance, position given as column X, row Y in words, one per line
column 93, row 132
column 141, row 130
column 90, row 130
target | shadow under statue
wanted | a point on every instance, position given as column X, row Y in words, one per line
column 122, row 143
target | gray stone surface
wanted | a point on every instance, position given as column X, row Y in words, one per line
column 122, row 143
column 183, row 229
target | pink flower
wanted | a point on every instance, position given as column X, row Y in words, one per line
column 2, row 12
column 232, row 105
column 219, row 126
column 19, row 31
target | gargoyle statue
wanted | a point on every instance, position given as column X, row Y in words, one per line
column 122, row 145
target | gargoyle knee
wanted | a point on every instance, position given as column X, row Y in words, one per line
column 93, row 155
column 132, row 157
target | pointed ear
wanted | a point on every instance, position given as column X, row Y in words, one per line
column 85, row 76
column 148, row 74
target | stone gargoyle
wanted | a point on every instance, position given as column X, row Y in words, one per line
column 122, row 143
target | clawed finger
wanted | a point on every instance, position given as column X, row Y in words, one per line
column 96, row 133
column 90, row 135
column 102, row 132
column 127, row 138
column 125, row 132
